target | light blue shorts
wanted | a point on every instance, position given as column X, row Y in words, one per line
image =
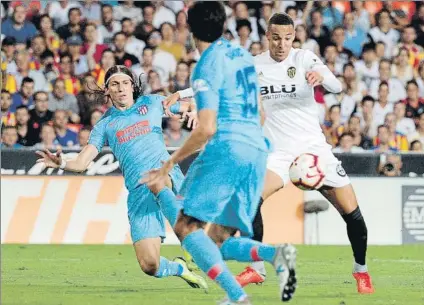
column 144, row 213
column 224, row 185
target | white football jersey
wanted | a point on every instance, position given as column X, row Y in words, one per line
column 292, row 115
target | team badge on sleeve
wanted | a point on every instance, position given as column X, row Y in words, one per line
column 291, row 72
column 200, row 85
column 143, row 109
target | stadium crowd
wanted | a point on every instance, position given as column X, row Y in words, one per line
column 52, row 53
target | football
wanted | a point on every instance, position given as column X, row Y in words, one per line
column 306, row 172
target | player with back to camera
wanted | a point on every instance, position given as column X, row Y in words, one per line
column 224, row 183
column 287, row 77
column 132, row 128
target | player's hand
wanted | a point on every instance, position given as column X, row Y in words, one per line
column 157, row 176
column 49, row 159
column 314, row 78
column 193, row 120
column 169, row 101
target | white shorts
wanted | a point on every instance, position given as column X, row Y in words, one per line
column 279, row 162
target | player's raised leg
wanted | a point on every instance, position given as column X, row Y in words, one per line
column 344, row 200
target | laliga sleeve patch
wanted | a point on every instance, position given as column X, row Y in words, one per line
column 340, row 170
column 200, row 85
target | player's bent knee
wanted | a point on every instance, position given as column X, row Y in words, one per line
column 219, row 233
column 187, row 224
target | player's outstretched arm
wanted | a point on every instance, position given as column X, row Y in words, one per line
column 78, row 165
column 317, row 73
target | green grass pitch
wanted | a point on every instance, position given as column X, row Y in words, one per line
column 109, row 275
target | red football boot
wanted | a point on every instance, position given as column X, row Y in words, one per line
column 250, row 276
column 364, row 283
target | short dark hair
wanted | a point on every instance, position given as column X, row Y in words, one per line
column 34, row 96
column 412, row 82
column 348, row 64
column 21, row 107
column 383, row 83
column 147, row 48
column 118, row 33
column 74, row 9
column 334, row 106
column 65, row 55
column 367, row 98
column 346, row 134
column 381, row 126
column 281, row 19
column 5, row 91
column 27, row 80
column 289, row 8
column 413, row 143
column 206, row 20
column 125, row 19
column 242, row 23
column 47, row 53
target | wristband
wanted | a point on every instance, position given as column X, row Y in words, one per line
column 186, row 93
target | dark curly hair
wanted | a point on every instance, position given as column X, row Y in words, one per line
column 139, row 83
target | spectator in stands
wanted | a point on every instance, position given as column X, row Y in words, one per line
column 396, row 139
column 380, row 50
column 59, row 99
column 48, row 138
column 91, row 46
column 38, row 47
column 95, row 116
column 46, row 30
column 153, row 82
column 122, row 57
column 293, row 12
column 79, row 61
column 382, row 144
column 419, row 133
column 65, row 136
column 23, row 70
column 145, row 28
column 338, row 38
column 91, row 11
column 72, row 83
column 332, row 127
column 18, row 27
column 418, row 23
column 128, row 10
column 48, row 66
column 404, row 125
column 368, row 124
column 361, row 16
column 384, row 32
column 134, row 46
column 347, row 103
column 255, row 48
column 382, row 107
column 182, row 33
column 175, row 133
column 181, row 79
column 367, row 67
column 8, row 46
column 359, row 138
column 416, row 146
column 108, row 27
column 22, row 119
column 83, row 137
column 355, row 88
column 75, row 26
column 346, row 144
column 9, row 137
column 24, row 95
column 98, row 71
column 38, row 116
column 164, row 63
column 306, row 42
column 266, row 13
column 331, row 16
column 416, row 52
column 355, row 38
column 318, row 31
column 243, row 28
column 390, row 165
column 162, row 14
column 240, row 11
column 169, row 44
column 146, row 63
column 331, row 59
column 420, row 78
column 7, row 116
column 401, row 68
column 59, row 11
column 396, row 88
column 414, row 103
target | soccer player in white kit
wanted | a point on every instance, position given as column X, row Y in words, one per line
column 287, row 77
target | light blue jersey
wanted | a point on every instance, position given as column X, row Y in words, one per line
column 225, row 80
column 135, row 138
column 224, row 184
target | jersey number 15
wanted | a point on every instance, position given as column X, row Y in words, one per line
column 247, row 87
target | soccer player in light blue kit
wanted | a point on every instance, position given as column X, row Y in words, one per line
column 132, row 129
column 224, row 184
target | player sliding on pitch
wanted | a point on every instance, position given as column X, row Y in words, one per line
column 224, row 183
column 287, row 77
column 132, row 128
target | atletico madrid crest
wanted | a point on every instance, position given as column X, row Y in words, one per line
column 143, row 109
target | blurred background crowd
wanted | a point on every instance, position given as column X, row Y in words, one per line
column 52, row 51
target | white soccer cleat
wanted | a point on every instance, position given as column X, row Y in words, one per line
column 227, row 301
column 285, row 264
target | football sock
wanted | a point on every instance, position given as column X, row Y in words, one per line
column 169, row 204
column 358, row 235
column 258, row 234
column 207, row 256
column 244, row 249
column 168, row 268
